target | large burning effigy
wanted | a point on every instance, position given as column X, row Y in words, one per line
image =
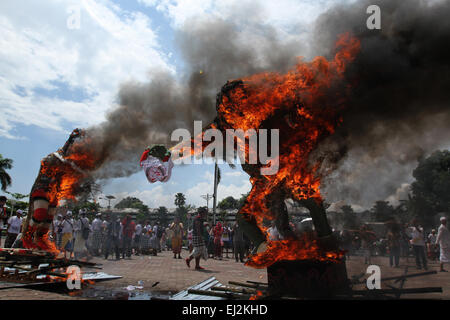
column 305, row 104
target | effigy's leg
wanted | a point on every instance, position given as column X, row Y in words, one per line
column 320, row 221
column 43, row 212
column 250, row 228
column 277, row 206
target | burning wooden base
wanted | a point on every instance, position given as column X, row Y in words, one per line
column 307, row 279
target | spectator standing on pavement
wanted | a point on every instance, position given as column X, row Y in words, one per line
column 218, row 231
column 238, row 243
column 162, row 242
column 57, row 230
column 158, row 231
column 3, row 214
column 443, row 239
column 405, row 242
column 81, row 234
column 189, row 239
column 67, row 234
column 145, row 242
column 394, row 242
column 177, row 237
column 226, row 240
column 210, row 242
column 198, row 239
column 96, row 235
column 129, row 227
column 13, row 228
column 368, row 238
column 112, row 236
column 432, row 247
column 418, row 244
column 137, row 239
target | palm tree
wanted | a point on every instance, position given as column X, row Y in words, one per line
column 5, row 178
column 180, row 200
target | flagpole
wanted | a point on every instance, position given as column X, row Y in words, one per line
column 216, row 169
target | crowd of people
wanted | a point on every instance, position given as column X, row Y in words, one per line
column 400, row 241
column 107, row 235
column 110, row 235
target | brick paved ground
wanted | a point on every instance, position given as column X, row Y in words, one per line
column 173, row 275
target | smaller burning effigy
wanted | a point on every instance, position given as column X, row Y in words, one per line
column 63, row 175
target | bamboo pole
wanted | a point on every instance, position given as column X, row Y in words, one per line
column 249, row 285
column 235, row 290
column 218, row 294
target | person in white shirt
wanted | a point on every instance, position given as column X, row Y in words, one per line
column 443, row 239
column 81, row 234
column 13, row 228
column 158, row 235
column 97, row 235
column 137, row 238
column 418, row 244
column 67, row 233
column 57, row 230
column 274, row 235
column 431, row 245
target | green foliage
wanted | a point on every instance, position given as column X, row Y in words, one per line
column 349, row 218
column 242, row 200
column 22, row 205
column 382, row 211
column 180, row 200
column 431, row 189
column 162, row 213
column 88, row 206
column 228, row 203
column 135, row 203
column 17, row 196
column 5, row 178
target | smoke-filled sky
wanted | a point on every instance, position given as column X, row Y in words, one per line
column 136, row 70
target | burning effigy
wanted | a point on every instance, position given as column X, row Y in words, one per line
column 61, row 176
column 305, row 104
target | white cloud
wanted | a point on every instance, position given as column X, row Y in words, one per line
column 38, row 52
column 234, row 174
column 223, row 190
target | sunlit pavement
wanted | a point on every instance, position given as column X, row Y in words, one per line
column 164, row 275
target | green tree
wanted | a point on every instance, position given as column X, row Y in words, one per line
column 382, row 211
column 135, row 203
column 5, row 178
column 17, row 203
column 162, row 213
column 242, row 200
column 180, row 200
column 349, row 218
column 431, row 188
column 228, row 203
column 88, row 206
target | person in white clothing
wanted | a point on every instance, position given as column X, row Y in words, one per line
column 274, row 235
column 443, row 239
column 418, row 244
column 81, row 234
column 67, row 233
column 137, row 239
column 96, row 235
column 13, row 228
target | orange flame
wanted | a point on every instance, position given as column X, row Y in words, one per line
column 305, row 104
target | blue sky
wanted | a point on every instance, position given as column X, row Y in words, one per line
column 54, row 78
